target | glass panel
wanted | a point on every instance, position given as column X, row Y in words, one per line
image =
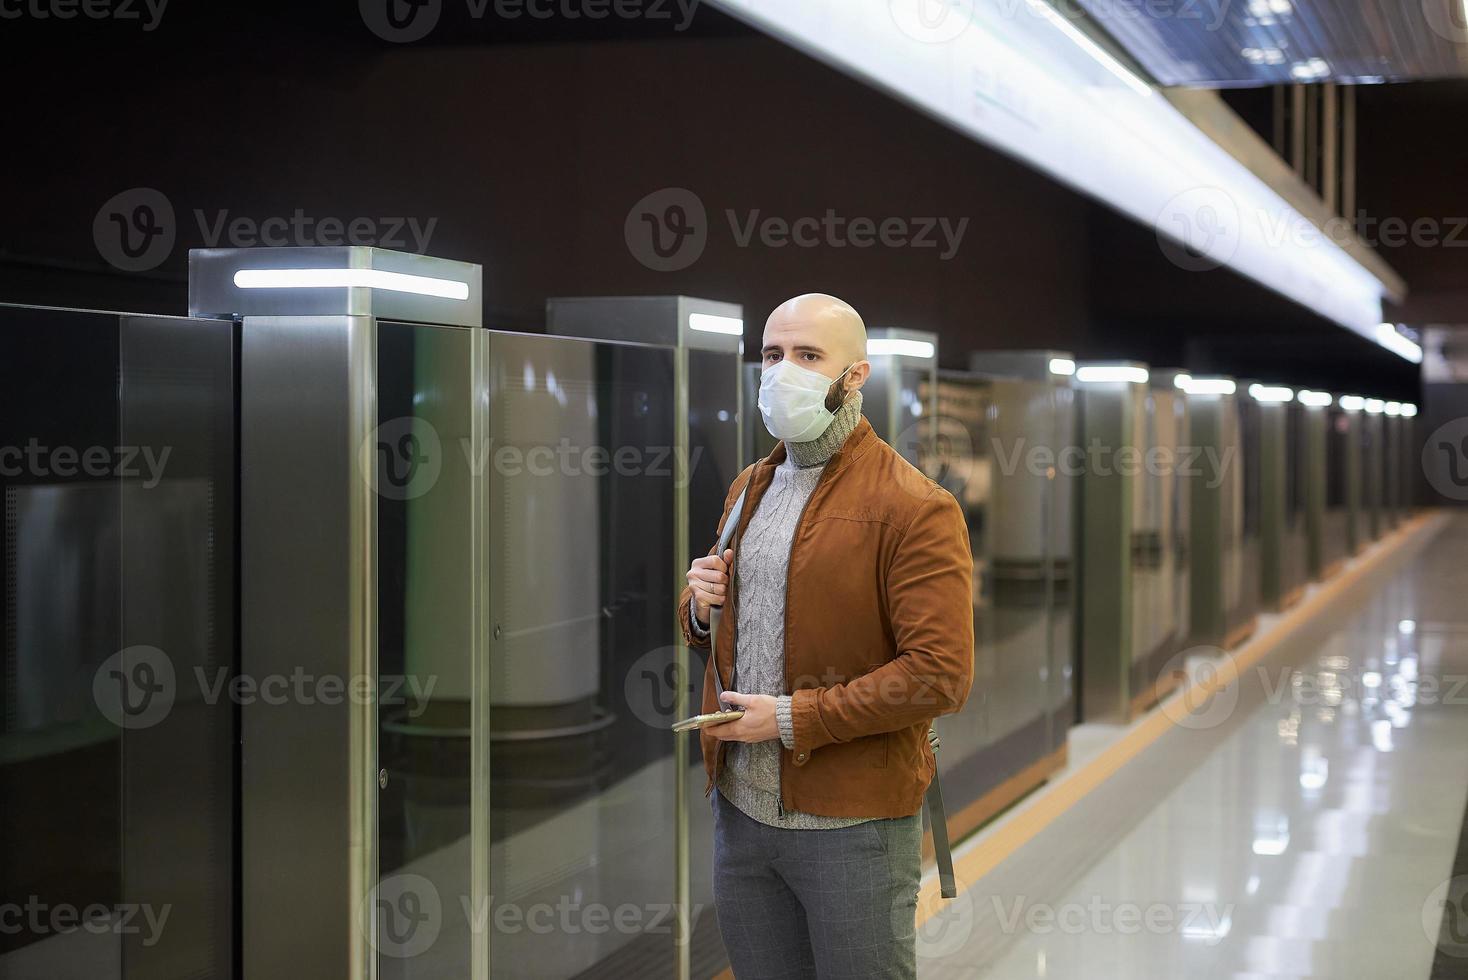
column 582, row 568
column 962, row 462
column 714, row 380
column 1019, row 420
column 1063, row 564
column 985, row 454
column 1150, row 619
column 116, row 749
column 178, row 622
column 425, row 645
column 1252, row 439
column 58, row 752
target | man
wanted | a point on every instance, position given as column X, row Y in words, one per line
column 848, row 628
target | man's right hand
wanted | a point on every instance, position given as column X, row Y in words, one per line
column 709, row 579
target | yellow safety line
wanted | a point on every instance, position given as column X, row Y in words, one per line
column 1071, row 789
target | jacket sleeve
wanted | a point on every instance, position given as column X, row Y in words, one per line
column 692, row 637
column 929, row 598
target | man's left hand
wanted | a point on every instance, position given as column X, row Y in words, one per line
column 758, row 723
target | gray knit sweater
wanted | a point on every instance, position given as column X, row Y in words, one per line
column 751, row 777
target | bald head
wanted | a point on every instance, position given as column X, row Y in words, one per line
column 821, row 333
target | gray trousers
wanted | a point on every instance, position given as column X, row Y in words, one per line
column 824, row 904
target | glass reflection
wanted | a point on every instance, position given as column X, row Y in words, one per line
column 425, row 646
column 582, row 565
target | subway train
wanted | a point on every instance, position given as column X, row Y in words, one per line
column 330, row 610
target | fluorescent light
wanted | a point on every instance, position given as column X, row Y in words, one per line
column 1103, row 373
column 1209, row 386
column 1063, row 366
column 1271, row 393
column 1182, row 381
column 1304, row 71
column 900, row 346
column 711, row 323
column 1409, row 411
column 1351, row 403
column 1042, row 91
column 398, row 282
column 1388, row 336
column 1374, row 406
column 1271, row 846
column 1394, row 408
column 1082, row 40
column 1315, row 399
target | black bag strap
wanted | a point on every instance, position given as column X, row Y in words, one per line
column 933, row 798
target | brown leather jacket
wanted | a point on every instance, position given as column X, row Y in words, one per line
column 879, row 630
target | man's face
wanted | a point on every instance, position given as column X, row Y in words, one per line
column 804, row 341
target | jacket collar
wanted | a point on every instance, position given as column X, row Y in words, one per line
column 861, row 439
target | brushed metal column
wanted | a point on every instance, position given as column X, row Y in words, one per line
column 309, row 586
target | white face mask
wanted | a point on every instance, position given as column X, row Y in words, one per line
column 792, row 400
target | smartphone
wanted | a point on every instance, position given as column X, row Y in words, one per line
column 712, row 718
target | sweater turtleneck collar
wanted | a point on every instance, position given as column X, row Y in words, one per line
column 818, row 450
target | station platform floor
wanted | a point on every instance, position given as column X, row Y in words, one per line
column 1299, row 811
